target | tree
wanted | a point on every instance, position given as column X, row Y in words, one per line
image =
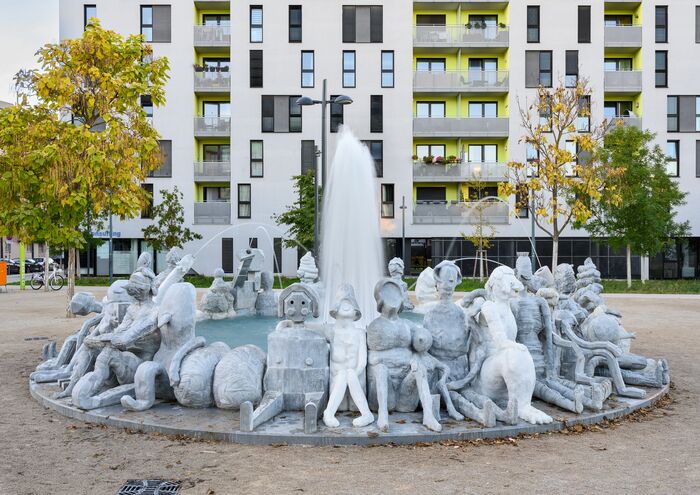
column 483, row 231
column 86, row 144
column 644, row 220
column 566, row 175
column 299, row 217
column 166, row 231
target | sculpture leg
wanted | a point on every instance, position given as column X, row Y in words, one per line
column 313, row 402
column 93, row 383
column 630, row 361
column 340, row 383
column 50, row 375
column 519, row 377
column 544, row 392
column 486, row 415
column 613, row 369
column 426, row 399
column 445, row 394
column 145, row 387
column 84, row 359
column 270, row 406
column 381, row 379
column 358, row 397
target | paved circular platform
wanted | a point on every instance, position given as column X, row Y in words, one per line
column 404, row 428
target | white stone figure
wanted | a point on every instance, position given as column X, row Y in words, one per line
column 348, row 359
column 307, row 271
column 176, row 275
column 176, row 321
column 217, row 303
column 247, row 282
column 396, row 271
column 397, row 380
column 297, row 364
column 171, row 259
column 508, row 372
column 238, row 377
column 266, row 302
column 523, row 271
column 426, row 291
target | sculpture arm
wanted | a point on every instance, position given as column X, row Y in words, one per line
column 584, row 344
column 176, row 361
column 85, row 329
column 140, row 328
column 175, row 276
column 546, row 316
column 474, row 370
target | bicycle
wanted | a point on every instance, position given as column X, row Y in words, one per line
column 56, row 280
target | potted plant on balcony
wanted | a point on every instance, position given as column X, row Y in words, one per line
column 428, row 159
column 469, row 25
column 414, row 158
column 198, row 68
column 501, row 25
column 225, row 68
column 439, row 160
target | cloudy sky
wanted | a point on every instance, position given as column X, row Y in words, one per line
column 25, row 25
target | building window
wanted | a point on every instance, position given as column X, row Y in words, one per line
column 431, row 19
column 376, row 149
column 483, row 109
column 571, row 147
column 697, row 24
column 429, row 150
column 295, row 23
column 307, row 69
column 387, row 200
column 166, row 154
column 256, row 158
column 362, row 24
column 147, row 105
column 617, row 64
column 661, row 69
column 430, row 109
column 521, row 203
column 532, row 156
column 533, row 24
column 216, row 152
column 672, row 114
column 89, row 11
column 216, row 194
column 349, row 64
column 583, row 122
column 538, row 69
column 697, row 113
column 147, row 210
column 308, row 157
column 615, row 109
column 584, row 24
column 387, row 69
column 256, row 24
column 483, row 153
column 155, row 23
column 571, row 68
column 244, row 201
column 616, row 20
column 256, row 68
column 661, row 16
column 216, row 20
column 337, row 114
column 376, row 113
column 430, row 64
column 672, row 158
column 281, row 114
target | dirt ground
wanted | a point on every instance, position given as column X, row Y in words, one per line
column 42, row 452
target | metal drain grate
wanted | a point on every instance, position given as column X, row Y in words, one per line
column 149, row 487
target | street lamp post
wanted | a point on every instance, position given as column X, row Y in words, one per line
column 403, row 228
column 110, row 238
column 308, row 101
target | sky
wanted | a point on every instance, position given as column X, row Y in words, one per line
column 25, row 25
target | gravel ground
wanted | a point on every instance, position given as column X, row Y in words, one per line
column 658, row 452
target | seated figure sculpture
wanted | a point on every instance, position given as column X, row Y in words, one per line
column 297, row 364
column 396, row 271
column 217, row 303
column 348, row 359
column 394, row 373
column 171, row 259
column 523, row 271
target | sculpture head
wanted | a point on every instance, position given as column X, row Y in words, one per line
column 396, row 267
column 564, row 278
column 145, row 261
column 307, row 272
column 503, row 285
column 389, row 297
column 266, row 280
column 447, row 276
column 219, row 274
column 346, row 306
column 140, row 286
column 178, row 308
column 172, row 258
column 421, row 339
column 550, row 295
column 523, row 268
column 116, row 302
column 297, row 302
column 84, row 303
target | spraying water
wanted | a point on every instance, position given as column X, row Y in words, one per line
column 351, row 247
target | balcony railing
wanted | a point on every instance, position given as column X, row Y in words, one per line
column 460, row 36
column 212, row 212
column 212, row 82
column 468, row 80
column 212, row 36
column 625, row 121
column 212, row 171
column 620, row 81
column 461, row 127
column 468, row 172
column 455, row 212
column 623, row 36
column 212, row 126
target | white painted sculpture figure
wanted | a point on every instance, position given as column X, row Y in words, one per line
column 238, row 377
column 396, row 381
column 348, row 359
column 396, row 271
column 171, row 259
column 217, row 303
column 176, row 275
column 523, row 271
column 307, row 271
column 266, row 302
column 426, row 291
column 297, row 364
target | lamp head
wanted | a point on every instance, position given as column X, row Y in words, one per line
column 342, row 100
column 306, row 101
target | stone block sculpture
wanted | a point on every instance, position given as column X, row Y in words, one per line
column 196, row 385
column 247, row 283
column 218, row 302
column 238, row 377
column 266, row 302
column 297, row 372
column 396, row 271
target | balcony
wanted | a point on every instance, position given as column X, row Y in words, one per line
column 212, row 82
column 212, row 126
column 459, row 172
column 460, row 213
column 212, row 171
column 212, row 213
column 625, row 121
column 623, row 81
column 469, row 81
column 623, row 38
column 459, row 36
column 212, row 38
column 494, row 127
column 212, row 4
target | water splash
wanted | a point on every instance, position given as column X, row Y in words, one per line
column 351, row 246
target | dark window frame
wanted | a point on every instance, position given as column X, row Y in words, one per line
column 293, row 27
column 85, row 13
column 252, row 26
column 352, row 71
column 430, row 106
column 675, row 116
column 430, row 61
column 567, row 73
column 529, row 26
column 146, row 25
column 584, row 20
column 390, row 71
column 258, row 74
column 378, row 162
column 658, row 71
column 430, row 150
column 663, row 26
column 311, row 71
column 294, row 111
column 376, row 113
column 349, row 23
column 147, row 210
column 549, row 71
column 483, row 108
column 245, row 203
column 677, row 146
column 386, row 201
column 337, row 115
column 260, row 160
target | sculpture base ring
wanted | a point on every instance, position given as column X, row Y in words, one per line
column 288, row 428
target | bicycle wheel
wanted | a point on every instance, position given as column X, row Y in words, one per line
column 56, row 282
column 36, row 283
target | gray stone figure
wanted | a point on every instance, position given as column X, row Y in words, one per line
column 218, row 302
column 565, row 284
column 397, row 378
column 196, row 385
column 238, row 377
column 297, row 364
column 307, row 271
column 176, row 275
column 523, row 270
column 171, row 259
column 123, row 350
column 176, row 321
column 587, row 274
column 247, row 283
column 266, row 302
column 396, row 271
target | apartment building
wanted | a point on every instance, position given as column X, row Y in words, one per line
column 427, row 79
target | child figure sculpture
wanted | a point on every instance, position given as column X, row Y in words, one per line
column 348, row 359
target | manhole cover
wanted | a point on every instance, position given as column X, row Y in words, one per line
column 149, row 487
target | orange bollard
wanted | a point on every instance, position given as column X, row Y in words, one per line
column 3, row 274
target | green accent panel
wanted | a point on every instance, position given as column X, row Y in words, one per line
column 199, row 146
column 451, row 189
